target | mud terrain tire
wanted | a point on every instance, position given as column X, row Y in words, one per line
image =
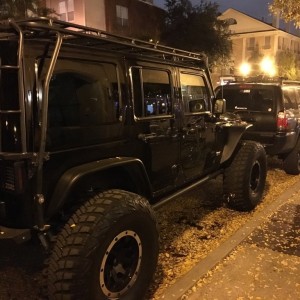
column 244, row 179
column 107, row 250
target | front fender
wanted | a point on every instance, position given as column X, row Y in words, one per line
column 233, row 132
column 72, row 177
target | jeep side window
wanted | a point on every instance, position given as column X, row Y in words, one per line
column 81, row 104
column 194, row 93
column 151, row 92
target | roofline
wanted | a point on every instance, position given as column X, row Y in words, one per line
column 268, row 24
column 254, row 31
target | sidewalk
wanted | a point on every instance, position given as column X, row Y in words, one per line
column 261, row 261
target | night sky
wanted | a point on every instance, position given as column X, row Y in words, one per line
column 255, row 8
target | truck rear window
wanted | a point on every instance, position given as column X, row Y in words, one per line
column 247, row 98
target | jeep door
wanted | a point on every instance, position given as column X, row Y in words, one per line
column 199, row 152
column 155, row 125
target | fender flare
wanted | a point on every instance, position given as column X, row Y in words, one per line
column 72, row 176
column 234, row 134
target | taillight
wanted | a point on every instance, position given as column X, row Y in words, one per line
column 282, row 121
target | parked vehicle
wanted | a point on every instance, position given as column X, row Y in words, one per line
column 98, row 131
column 272, row 106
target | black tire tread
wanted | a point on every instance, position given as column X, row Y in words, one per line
column 236, row 176
column 96, row 212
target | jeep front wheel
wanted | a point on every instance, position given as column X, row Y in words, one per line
column 107, row 250
column 244, row 179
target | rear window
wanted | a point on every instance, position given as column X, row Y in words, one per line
column 253, row 98
column 291, row 96
column 84, row 102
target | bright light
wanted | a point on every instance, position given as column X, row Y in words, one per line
column 267, row 66
column 245, row 69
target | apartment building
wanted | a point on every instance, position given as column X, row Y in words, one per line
column 253, row 40
column 136, row 18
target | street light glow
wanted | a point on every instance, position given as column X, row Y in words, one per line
column 245, row 69
column 267, row 66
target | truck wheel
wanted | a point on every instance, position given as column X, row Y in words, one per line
column 107, row 250
column 244, row 179
column 291, row 163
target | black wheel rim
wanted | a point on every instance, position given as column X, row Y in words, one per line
column 255, row 177
column 121, row 264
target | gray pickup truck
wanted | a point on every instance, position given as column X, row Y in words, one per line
column 272, row 107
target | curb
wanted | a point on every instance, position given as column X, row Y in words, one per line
column 187, row 281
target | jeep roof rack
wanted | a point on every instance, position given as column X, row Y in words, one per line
column 75, row 34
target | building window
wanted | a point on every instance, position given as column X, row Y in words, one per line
column 122, row 15
column 292, row 45
column 279, row 43
column 283, row 44
column 251, row 43
column 267, row 42
column 66, row 10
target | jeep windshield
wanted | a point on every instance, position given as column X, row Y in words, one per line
column 247, row 97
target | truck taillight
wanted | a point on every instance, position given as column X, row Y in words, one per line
column 282, row 121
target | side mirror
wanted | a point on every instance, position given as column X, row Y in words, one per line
column 220, row 106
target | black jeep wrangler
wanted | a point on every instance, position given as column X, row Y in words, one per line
column 99, row 130
column 273, row 107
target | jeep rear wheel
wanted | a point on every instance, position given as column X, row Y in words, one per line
column 107, row 250
column 291, row 163
column 244, row 179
